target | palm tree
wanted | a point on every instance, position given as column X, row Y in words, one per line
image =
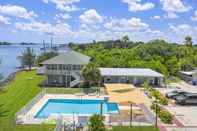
column 95, row 123
column 125, row 40
column 28, row 58
column 188, row 41
column 91, row 74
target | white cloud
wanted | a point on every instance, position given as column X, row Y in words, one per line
column 4, row 20
column 171, row 15
column 63, row 16
column 64, row 5
column 126, row 24
column 174, row 6
column 91, row 17
column 89, row 35
column 135, row 5
column 17, row 11
column 194, row 17
column 156, row 17
column 46, row 28
column 182, row 30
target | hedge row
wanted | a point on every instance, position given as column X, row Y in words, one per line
column 156, row 94
column 164, row 115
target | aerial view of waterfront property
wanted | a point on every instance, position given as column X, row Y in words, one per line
column 98, row 65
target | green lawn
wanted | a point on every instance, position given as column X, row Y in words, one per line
column 17, row 94
column 20, row 91
column 148, row 128
column 63, row 90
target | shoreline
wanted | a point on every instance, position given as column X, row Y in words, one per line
column 12, row 76
column 8, row 79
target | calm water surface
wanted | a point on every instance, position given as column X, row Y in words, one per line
column 8, row 57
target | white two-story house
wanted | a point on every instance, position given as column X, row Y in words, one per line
column 65, row 69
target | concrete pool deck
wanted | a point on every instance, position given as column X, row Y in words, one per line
column 29, row 117
column 122, row 117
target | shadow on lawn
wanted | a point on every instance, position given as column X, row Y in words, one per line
column 3, row 112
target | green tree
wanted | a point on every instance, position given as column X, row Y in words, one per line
column 96, row 123
column 172, row 65
column 91, row 74
column 45, row 56
column 188, row 41
column 125, row 40
column 28, row 58
column 186, row 64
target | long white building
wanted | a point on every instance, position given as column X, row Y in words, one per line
column 136, row 76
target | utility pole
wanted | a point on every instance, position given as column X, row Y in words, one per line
column 156, row 113
column 51, row 42
column 131, row 114
column 73, row 122
column 101, row 110
column 44, row 46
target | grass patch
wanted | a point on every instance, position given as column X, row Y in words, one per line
column 63, row 90
column 141, row 128
column 123, row 90
column 17, row 94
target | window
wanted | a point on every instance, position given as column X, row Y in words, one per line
column 60, row 67
column 69, row 67
column 64, row 67
column 74, row 67
column 48, row 67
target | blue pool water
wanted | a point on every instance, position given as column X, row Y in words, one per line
column 76, row 106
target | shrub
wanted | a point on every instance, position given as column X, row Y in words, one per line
column 153, row 107
column 162, row 100
column 96, row 123
column 165, row 116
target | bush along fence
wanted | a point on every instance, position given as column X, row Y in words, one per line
column 164, row 115
column 156, row 94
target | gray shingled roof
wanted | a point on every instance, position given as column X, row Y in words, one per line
column 129, row 72
column 71, row 57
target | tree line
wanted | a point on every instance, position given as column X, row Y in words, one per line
column 164, row 57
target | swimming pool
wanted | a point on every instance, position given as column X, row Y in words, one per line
column 76, row 106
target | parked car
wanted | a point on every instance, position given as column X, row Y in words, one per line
column 187, row 99
column 173, row 94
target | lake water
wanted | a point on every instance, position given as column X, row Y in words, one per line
column 8, row 57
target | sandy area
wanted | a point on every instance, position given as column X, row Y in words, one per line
column 122, row 93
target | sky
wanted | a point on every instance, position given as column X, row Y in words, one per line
column 87, row 20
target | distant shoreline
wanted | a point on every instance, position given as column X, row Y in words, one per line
column 7, row 43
